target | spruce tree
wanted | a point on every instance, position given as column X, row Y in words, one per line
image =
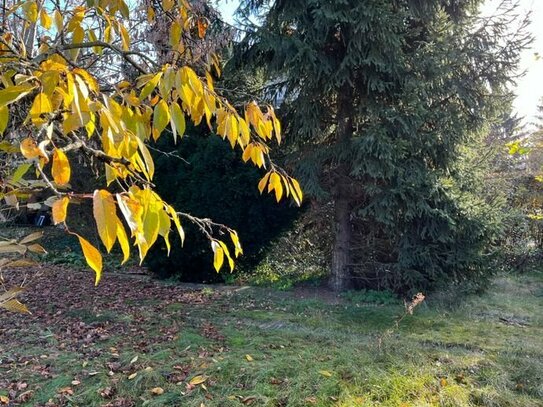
column 381, row 99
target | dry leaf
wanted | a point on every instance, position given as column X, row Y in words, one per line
column 157, row 391
column 249, row 358
column 197, row 380
column 325, row 373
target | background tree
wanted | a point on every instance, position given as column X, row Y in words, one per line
column 384, row 101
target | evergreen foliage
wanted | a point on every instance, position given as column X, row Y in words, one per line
column 199, row 177
column 387, row 105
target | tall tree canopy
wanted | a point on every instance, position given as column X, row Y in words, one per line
column 383, row 99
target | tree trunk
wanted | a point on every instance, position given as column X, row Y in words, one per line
column 340, row 279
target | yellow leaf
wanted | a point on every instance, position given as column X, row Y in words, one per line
column 92, row 256
column 161, row 117
column 157, row 391
column 275, row 184
column 132, row 376
column 4, row 399
column 237, row 245
column 4, row 119
column 244, row 131
column 13, row 93
column 107, row 34
column 61, row 167
column 178, row 120
column 175, row 34
column 297, row 191
column 167, row 4
column 150, row 86
column 232, row 131
column 59, row 23
column 218, row 257
column 105, row 215
column 15, row 306
column 150, row 15
column 60, row 209
column 125, row 37
column 325, row 373
column 247, row 153
column 249, row 358
column 89, row 79
column 165, row 225
column 196, row 380
column 177, row 223
column 209, row 81
column 123, row 241
column 123, row 8
column 132, row 212
column 147, row 158
column 30, row 149
column 45, row 20
column 228, row 257
column 30, row 11
column 77, row 38
column 92, row 36
column 263, row 182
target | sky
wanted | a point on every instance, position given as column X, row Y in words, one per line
column 529, row 88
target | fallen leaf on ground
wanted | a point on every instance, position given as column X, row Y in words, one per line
column 197, row 380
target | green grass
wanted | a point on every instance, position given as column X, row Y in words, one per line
column 264, row 348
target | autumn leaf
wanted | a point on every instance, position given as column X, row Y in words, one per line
column 61, row 168
column 196, row 380
column 218, row 257
column 161, row 117
column 60, row 209
column 105, row 215
column 157, row 391
column 202, row 27
column 40, row 108
column 31, row 237
column 30, row 149
column 92, row 256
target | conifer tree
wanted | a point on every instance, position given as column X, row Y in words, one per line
column 381, row 99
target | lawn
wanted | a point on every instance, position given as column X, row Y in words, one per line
column 132, row 342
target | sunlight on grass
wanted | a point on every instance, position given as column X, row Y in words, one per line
column 264, row 348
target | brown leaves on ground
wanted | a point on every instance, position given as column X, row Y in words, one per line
column 71, row 315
